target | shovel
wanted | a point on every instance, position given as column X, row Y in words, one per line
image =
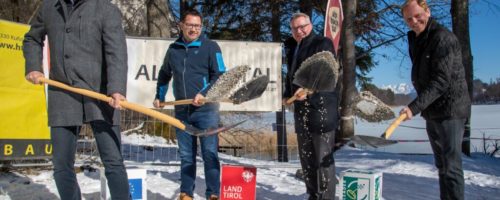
column 248, row 91
column 226, row 82
column 381, row 141
column 388, row 132
column 138, row 108
column 370, row 108
column 318, row 73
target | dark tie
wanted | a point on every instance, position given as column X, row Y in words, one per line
column 294, row 60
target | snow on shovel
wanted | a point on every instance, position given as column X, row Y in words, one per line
column 368, row 107
column 138, row 108
column 318, row 73
column 372, row 109
column 231, row 92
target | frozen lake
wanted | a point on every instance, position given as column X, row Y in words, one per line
column 485, row 120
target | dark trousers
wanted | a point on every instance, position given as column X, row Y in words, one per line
column 318, row 165
column 64, row 142
column 316, row 121
column 445, row 137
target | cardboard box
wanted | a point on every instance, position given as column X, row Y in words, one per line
column 361, row 184
column 136, row 181
column 238, row 182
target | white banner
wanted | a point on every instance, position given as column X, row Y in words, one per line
column 145, row 57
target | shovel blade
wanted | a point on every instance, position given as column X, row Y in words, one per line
column 318, row 73
column 227, row 82
column 211, row 131
column 251, row 90
column 372, row 141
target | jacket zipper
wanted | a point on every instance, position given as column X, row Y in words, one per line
column 183, row 76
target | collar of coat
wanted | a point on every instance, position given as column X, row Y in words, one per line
column 61, row 2
column 307, row 39
column 431, row 25
column 196, row 43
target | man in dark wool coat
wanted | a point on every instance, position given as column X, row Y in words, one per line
column 87, row 50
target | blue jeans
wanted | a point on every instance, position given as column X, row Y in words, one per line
column 445, row 137
column 209, row 146
column 64, row 142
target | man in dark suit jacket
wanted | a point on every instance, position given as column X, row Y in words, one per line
column 87, row 50
column 316, row 114
column 442, row 95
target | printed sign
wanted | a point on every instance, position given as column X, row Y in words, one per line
column 333, row 22
column 145, row 58
column 238, row 182
column 24, row 133
column 361, row 185
column 136, row 182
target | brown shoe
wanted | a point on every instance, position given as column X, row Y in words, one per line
column 213, row 197
column 184, row 196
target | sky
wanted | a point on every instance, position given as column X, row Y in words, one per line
column 485, row 43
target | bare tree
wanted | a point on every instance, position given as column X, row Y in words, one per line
column 349, row 68
column 276, row 21
column 152, row 18
column 306, row 7
column 183, row 6
column 460, row 22
column 18, row 10
column 160, row 20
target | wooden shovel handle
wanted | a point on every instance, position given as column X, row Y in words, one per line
column 190, row 101
column 131, row 106
column 178, row 102
column 388, row 132
column 294, row 97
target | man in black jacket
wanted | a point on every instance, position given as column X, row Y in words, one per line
column 439, row 79
column 316, row 115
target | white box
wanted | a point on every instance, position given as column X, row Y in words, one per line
column 136, row 181
column 361, row 184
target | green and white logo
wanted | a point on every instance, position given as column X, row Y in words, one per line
column 356, row 188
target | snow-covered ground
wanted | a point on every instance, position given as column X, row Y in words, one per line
column 404, row 177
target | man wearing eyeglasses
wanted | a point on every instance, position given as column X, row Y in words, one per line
column 195, row 63
column 316, row 114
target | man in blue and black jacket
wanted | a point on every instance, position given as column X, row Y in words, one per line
column 195, row 63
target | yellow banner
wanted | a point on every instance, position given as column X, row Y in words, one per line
column 23, row 110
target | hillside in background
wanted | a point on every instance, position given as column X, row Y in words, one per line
column 403, row 93
column 393, row 95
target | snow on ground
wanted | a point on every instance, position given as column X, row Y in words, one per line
column 405, row 177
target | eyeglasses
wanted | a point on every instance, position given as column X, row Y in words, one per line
column 195, row 26
column 301, row 27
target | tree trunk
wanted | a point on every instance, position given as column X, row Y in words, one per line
column 159, row 19
column 460, row 21
column 306, row 7
column 349, row 69
column 275, row 21
column 183, row 6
